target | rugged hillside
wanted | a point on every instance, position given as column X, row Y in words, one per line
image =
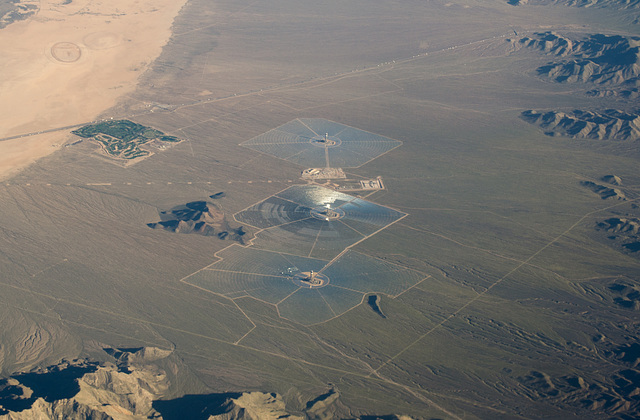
column 255, row 406
column 200, row 217
column 611, row 64
column 610, row 124
column 27, row 340
column 128, row 389
column 626, row 295
column 137, row 386
column 81, row 389
column 620, row 225
column 623, row 233
column 613, row 4
column 603, row 191
column 598, row 59
column 620, row 230
column 573, row 391
column 612, row 179
column 628, row 90
column 16, row 10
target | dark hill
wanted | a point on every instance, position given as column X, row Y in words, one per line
column 199, row 217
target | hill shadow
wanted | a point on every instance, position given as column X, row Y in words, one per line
column 194, row 407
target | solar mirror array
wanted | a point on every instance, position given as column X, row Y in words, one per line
column 316, row 142
column 300, row 259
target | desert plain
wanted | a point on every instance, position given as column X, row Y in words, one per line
column 493, row 275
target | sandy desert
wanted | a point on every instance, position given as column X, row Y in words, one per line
column 71, row 62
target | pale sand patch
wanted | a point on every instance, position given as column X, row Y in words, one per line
column 19, row 153
column 100, row 49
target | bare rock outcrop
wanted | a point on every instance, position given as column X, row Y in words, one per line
column 609, row 63
column 609, row 60
column 620, row 225
column 610, row 124
column 623, row 231
column 81, row 389
column 626, row 295
column 199, row 217
column 612, row 179
column 255, row 406
column 138, row 386
column 603, row 191
column 620, row 399
column 630, row 90
column 612, row 4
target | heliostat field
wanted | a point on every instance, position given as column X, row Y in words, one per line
column 275, row 278
column 300, row 260
column 316, row 142
column 315, row 222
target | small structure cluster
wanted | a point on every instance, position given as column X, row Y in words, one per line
column 323, row 173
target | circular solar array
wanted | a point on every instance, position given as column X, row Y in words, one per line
column 314, row 221
column 305, row 290
column 316, row 142
column 297, row 260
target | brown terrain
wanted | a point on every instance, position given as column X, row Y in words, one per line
column 509, row 288
column 608, row 64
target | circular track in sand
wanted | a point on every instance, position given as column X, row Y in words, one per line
column 102, row 40
column 66, row 52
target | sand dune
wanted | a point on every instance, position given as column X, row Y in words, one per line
column 71, row 62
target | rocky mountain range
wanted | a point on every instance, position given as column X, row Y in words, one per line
column 138, row 384
column 617, row 4
column 599, row 59
column 609, row 124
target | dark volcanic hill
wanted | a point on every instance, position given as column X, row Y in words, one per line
column 199, row 217
column 610, row 124
column 603, row 191
column 623, row 231
column 621, row 224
